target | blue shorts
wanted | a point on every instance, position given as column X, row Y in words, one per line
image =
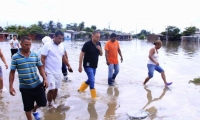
column 151, row 69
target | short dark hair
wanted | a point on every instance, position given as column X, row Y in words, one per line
column 25, row 38
column 95, row 32
column 59, row 33
column 113, row 35
column 14, row 35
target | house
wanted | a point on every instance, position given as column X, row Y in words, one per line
column 152, row 37
column 7, row 35
column 194, row 37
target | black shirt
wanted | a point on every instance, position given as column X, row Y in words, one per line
column 91, row 56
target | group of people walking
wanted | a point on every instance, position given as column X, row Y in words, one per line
column 52, row 57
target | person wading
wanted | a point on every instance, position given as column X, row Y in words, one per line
column 89, row 56
column 112, row 49
column 52, row 56
column 154, row 65
column 31, row 88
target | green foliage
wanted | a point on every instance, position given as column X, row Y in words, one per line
column 172, row 32
column 142, row 37
column 59, row 26
column 81, row 26
column 93, row 27
column 22, row 31
column 189, row 31
column 12, row 28
column 195, row 80
column 35, row 29
column 143, row 32
column 1, row 29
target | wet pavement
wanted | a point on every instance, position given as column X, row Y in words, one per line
column 180, row 101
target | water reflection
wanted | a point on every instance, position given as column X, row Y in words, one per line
column 58, row 113
column 149, row 96
column 171, row 46
column 113, row 93
column 152, row 110
column 92, row 111
column 190, row 47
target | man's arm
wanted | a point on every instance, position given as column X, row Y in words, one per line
column 43, row 58
column 81, row 61
column 11, row 80
column 11, row 44
column 42, row 73
column 3, row 59
column 106, row 55
column 120, row 53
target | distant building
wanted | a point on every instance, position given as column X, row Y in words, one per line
column 152, row 37
column 7, row 35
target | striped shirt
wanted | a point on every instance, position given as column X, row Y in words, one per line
column 27, row 69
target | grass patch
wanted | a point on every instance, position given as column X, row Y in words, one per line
column 195, row 80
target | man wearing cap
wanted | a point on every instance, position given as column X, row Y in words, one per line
column 112, row 50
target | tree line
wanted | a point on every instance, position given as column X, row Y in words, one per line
column 172, row 32
column 46, row 28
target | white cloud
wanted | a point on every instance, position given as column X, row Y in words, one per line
column 122, row 14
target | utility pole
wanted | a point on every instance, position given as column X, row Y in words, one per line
column 109, row 25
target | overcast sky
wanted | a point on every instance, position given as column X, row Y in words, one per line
column 125, row 15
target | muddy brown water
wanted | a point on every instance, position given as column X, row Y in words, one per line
column 180, row 101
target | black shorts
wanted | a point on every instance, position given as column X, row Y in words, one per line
column 13, row 51
column 29, row 96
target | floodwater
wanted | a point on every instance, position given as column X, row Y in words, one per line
column 180, row 101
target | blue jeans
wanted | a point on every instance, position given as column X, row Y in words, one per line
column 151, row 69
column 91, row 74
column 111, row 75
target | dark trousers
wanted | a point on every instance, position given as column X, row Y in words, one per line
column 64, row 69
column 13, row 51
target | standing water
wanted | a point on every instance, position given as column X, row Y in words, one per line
column 180, row 101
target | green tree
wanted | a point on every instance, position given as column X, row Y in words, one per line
column 93, row 27
column 51, row 27
column 12, row 28
column 59, row 26
column 189, row 31
column 21, row 31
column 81, row 26
column 142, row 37
column 35, row 29
column 1, row 29
column 42, row 25
column 172, row 32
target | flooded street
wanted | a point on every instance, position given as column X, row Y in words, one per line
column 180, row 101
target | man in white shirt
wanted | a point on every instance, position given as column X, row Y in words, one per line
column 52, row 56
column 14, row 45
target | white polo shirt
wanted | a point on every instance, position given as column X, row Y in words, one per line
column 54, row 54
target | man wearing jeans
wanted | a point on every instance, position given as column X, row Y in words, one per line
column 90, row 52
column 111, row 52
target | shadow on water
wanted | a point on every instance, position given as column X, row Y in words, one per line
column 190, row 47
column 171, row 46
column 152, row 110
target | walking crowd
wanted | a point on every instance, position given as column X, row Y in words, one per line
column 51, row 60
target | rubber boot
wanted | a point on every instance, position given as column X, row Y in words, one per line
column 83, row 87
column 93, row 93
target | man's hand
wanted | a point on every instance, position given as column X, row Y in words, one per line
column 107, row 63
column 6, row 66
column 45, row 83
column 157, row 63
column 80, row 69
column 121, row 59
column 70, row 69
column 12, row 91
column 98, row 47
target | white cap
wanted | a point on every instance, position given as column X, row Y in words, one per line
column 46, row 39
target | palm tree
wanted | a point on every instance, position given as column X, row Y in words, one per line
column 81, row 26
column 59, row 26
column 51, row 26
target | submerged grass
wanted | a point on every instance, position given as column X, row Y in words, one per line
column 195, row 80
